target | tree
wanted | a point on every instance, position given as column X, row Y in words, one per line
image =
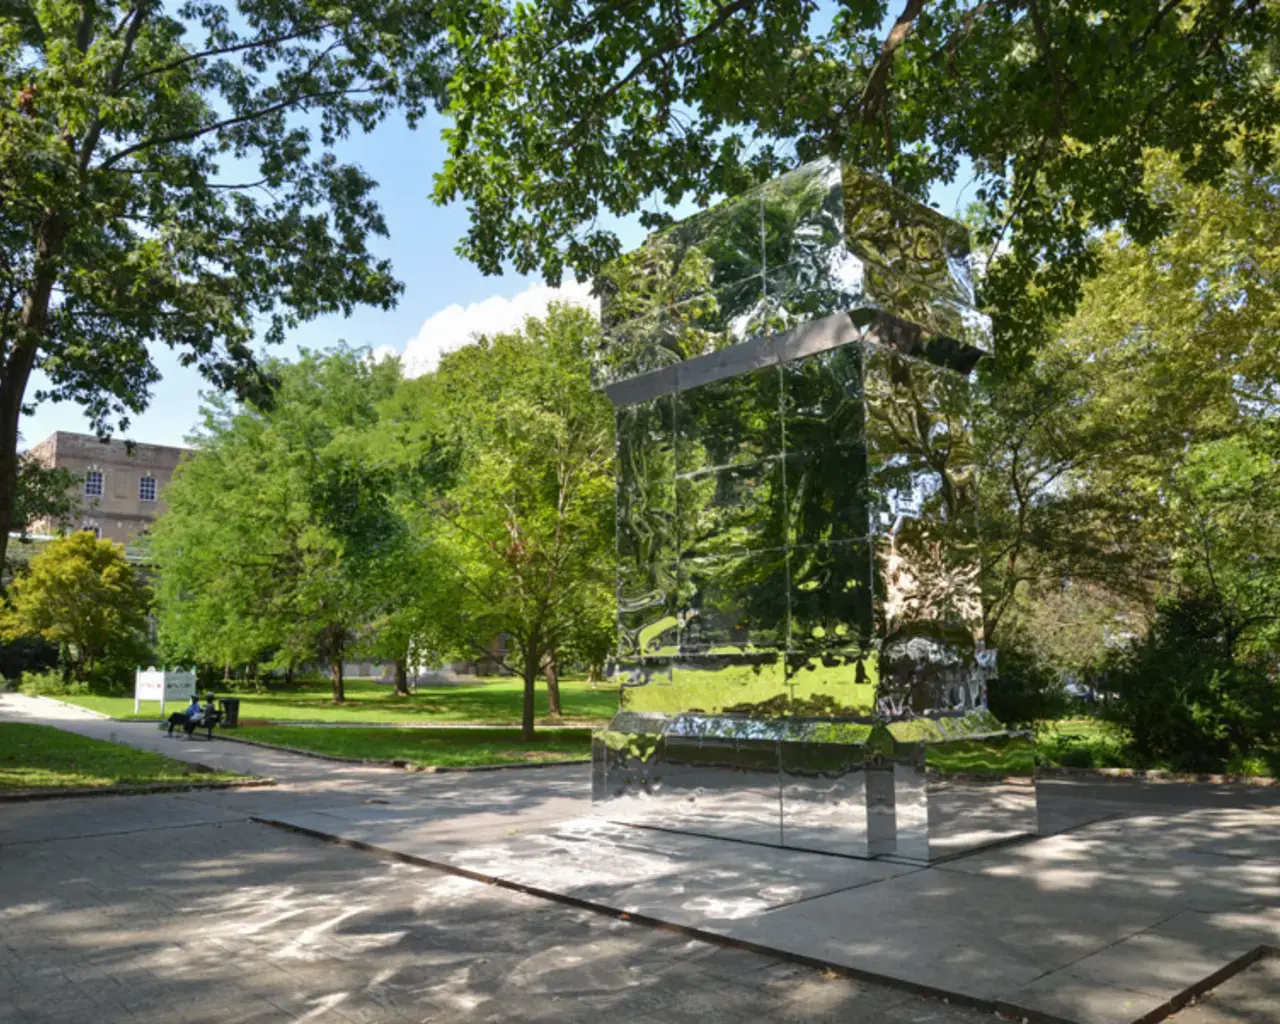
column 167, row 177
column 563, row 111
column 81, row 595
column 514, row 489
column 42, row 493
column 280, row 537
column 1175, row 345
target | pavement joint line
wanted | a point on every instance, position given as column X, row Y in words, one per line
column 845, row 888
column 1102, row 949
column 1208, row 983
column 857, row 974
column 121, row 832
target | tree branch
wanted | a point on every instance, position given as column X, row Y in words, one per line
column 219, row 51
column 95, row 129
column 195, row 133
column 723, row 14
column 876, row 90
column 1042, row 37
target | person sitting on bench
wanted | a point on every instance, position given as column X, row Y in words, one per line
column 191, row 713
column 205, row 718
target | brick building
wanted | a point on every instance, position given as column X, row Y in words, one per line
column 119, row 490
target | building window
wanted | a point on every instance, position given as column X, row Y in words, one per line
column 147, row 488
column 93, row 484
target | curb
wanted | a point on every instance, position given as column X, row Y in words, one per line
column 30, row 795
column 1156, row 775
column 407, row 766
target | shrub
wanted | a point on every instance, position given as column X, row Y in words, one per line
column 27, row 654
column 1185, row 696
column 50, row 684
column 1027, row 688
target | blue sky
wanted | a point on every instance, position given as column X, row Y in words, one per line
column 445, row 297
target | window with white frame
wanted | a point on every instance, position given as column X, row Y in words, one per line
column 93, row 484
column 147, row 488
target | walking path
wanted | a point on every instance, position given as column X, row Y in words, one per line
column 1147, row 890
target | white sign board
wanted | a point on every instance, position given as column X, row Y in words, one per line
column 163, row 685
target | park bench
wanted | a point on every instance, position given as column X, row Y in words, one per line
column 206, row 722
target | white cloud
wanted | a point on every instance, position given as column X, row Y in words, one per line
column 455, row 326
column 383, row 352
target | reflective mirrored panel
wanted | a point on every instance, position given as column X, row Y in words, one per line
column 726, row 511
column 920, row 457
column 710, row 684
column 724, row 787
column 831, row 597
column 820, row 240
column 824, row 798
column 822, row 400
column 906, row 237
column 648, row 609
column 803, row 215
column 646, row 492
column 735, row 604
column 729, row 422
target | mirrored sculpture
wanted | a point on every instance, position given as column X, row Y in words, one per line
column 799, row 621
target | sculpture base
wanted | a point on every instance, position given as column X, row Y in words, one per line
column 922, row 789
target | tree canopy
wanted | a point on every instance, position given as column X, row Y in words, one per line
column 280, row 539
column 514, row 489
column 168, row 177
column 565, row 112
column 81, row 595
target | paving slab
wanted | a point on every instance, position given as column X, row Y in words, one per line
column 1250, row 997
column 1104, row 923
column 1203, row 860
column 244, row 923
column 677, row 878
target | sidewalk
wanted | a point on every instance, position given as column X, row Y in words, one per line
column 1146, row 891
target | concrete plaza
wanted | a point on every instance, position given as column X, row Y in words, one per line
column 1141, row 894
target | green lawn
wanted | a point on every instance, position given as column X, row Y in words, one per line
column 41, row 757
column 436, row 747
column 490, row 701
column 1082, row 743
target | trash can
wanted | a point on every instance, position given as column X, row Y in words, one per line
column 230, row 712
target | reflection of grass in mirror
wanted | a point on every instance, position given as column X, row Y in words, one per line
column 816, row 690
column 916, row 729
column 708, row 689
column 993, row 758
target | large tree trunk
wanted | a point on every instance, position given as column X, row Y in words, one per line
column 19, row 350
column 335, row 676
column 288, row 675
column 402, row 678
column 553, row 686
